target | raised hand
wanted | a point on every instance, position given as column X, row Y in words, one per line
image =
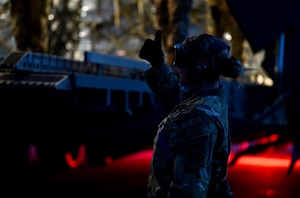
column 151, row 50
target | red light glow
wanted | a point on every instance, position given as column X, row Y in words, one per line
column 265, row 161
column 142, row 158
column 80, row 159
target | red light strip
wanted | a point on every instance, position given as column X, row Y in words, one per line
column 265, row 162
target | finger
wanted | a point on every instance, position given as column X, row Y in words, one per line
column 157, row 38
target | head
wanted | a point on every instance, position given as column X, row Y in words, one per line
column 204, row 58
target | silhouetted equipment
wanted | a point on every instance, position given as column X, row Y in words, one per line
column 263, row 23
column 58, row 103
column 274, row 26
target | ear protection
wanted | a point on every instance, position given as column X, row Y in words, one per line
column 197, row 68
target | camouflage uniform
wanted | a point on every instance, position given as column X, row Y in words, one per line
column 192, row 144
column 173, row 20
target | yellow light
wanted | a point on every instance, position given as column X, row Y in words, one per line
column 227, row 36
column 260, row 79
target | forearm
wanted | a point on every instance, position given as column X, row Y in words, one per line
column 165, row 84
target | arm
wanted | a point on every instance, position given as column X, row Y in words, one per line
column 165, row 84
column 160, row 77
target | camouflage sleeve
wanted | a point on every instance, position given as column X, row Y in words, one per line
column 165, row 84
